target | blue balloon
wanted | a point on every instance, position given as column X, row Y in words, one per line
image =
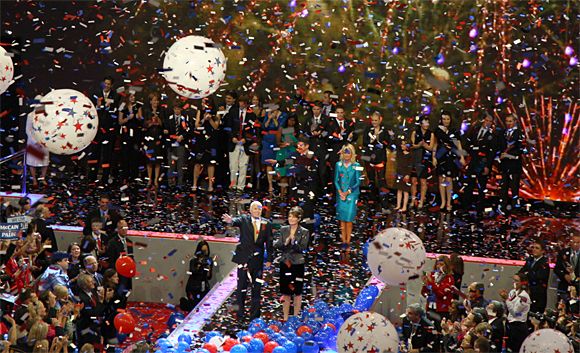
column 184, row 338
column 202, row 350
column 163, row 343
column 239, row 348
column 345, row 308
column 306, row 335
column 320, row 305
column 299, row 341
column 211, row 334
column 290, row 335
column 256, row 346
column 291, row 347
column 310, row 347
column 268, row 331
column 321, row 338
column 182, row 346
column 254, row 329
column 243, row 333
column 174, row 319
column 258, row 322
column 279, row 349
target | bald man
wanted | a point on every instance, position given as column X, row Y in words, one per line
column 255, row 237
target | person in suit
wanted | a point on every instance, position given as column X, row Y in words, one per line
column 117, row 246
column 91, row 267
column 179, row 128
column 418, row 332
column 314, row 129
column 495, row 313
column 340, row 131
column 537, row 271
column 106, row 213
column 95, row 243
column 94, row 304
column 376, row 139
column 242, row 141
column 107, row 103
column 328, row 106
column 481, row 145
column 293, row 243
column 347, row 183
column 306, row 179
column 255, row 237
column 511, row 148
column 568, row 268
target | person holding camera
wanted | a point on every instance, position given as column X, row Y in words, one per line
column 200, row 272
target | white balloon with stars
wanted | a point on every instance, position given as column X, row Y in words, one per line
column 367, row 332
column 6, row 70
column 65, row 121
column 396, row 255
column 547, row 340
column 194, row 67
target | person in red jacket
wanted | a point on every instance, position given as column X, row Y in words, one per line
column 438, row 288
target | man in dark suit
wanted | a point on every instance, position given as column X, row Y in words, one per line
column 376, row 139
column 108, row 216
column 538, row 272
column 94, row 304
column 255, row 237
column 417, row 332
column 107, row 103
column 511, row 148
column 179, row 129
column 495, row 313
column 339, row 132
column 313, row 129
column 328, row 106
column 242, row 141
column 481, row 144
column 568, row 268
column 117, row 246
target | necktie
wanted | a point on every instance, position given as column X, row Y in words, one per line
column 341, row 123
column 481, row 133
column 177, row 122
column 256, row 230
column 99, row 243
column 242, row 117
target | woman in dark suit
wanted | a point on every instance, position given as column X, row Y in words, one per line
column 293, row 243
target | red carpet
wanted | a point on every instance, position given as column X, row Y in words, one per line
column 151, row 321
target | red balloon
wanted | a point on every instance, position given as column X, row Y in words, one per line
column 247, row 338
column 302, row 329
column 125, row 323
column 229, row 343
column 331, row 326
column 262, row 336
column 210, row 347
column 126, row 267
column 274, row 328
column 269, row 347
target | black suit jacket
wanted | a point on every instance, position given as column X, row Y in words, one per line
column 235, row 128
column 481, row 150
column 89, row 321
column 109, row 225
column 293, row 252
column 512, row 144
column 375, row 151
column 46, row 233
column 336, row 138
column 317, row 143
column 248, row 249
column 538, row 276
column 497, row 334
column 422, row 338
column 108, row 116
column 564, row 260
column 186, row 128
column 115, row 249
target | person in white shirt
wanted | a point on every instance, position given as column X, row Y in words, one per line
column 518, row 304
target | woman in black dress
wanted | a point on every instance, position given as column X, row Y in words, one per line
column 200, row 267
column 422, row 144
column 153, row 135
column 131, row 121
column 293, row 243
column 447, row 149
column 206, row 142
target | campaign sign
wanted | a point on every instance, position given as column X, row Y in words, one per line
column 9, row 231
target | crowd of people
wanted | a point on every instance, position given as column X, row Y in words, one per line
column 305, row 152
column 246, row 142
column 60, row 300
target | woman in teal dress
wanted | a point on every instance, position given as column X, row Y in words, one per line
column 347, row 183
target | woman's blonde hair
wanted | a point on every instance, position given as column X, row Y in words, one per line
column 38, row 331
column 60, row 292
column 40, row 346
column 350, row 147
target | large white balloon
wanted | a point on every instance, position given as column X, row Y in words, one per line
column 367, row 332
column 65, row 122
column 6, row 70
column 396, row 255
column 547, row 340
column 194, row 67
